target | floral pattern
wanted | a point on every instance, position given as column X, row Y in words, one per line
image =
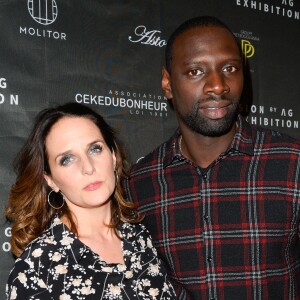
column 57, row 265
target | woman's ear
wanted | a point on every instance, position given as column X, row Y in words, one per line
column 51, row 183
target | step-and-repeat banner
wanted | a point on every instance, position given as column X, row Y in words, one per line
column 108, row 55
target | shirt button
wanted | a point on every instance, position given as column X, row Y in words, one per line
column 205, row 177
column 209, row 259
column 206, row 217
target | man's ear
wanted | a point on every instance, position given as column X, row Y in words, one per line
column 166, row 84
column 51, row 183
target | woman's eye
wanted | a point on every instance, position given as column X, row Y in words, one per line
column 95, row 149
column 65, row 160
column 195, row 72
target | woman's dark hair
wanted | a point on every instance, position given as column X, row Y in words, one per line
column 28, row 208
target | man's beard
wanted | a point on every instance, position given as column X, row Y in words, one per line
column 207, row 127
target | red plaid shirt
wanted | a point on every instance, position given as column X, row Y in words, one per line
column 230, row 231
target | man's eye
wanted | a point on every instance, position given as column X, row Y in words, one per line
column 195, row 72
column 65, row 160
column 230, row 69
column 95, row 149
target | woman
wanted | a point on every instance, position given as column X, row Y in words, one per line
column 73, row 233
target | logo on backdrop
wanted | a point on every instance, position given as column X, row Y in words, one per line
column 136, row 103
column 247, row 49
column 272, row 116
column 12, row 99
column 147, row 37
column 44, row 12
column 247, row 39
column 6, row 245
column 284, row 8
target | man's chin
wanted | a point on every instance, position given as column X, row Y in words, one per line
column 214, row 128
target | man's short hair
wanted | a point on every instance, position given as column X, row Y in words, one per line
column 201, row 21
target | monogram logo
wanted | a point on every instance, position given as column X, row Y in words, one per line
column 44, row 12
column 247, row 49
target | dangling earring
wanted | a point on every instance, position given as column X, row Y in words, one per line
column 117, row 178
column 49, row 202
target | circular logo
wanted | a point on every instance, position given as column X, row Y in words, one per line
column 44, row 12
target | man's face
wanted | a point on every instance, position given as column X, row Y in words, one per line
column 206, row 80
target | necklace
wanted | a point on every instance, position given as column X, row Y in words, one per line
column 179, row 143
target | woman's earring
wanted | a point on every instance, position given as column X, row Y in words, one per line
column 61, row 199
column 117, row 178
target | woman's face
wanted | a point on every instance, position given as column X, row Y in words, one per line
column 81, row 164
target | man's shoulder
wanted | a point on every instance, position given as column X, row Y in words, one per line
column 273, row 138
column 261, row 136
column 154, row 159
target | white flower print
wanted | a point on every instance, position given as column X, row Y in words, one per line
column 133, row 258
column 166, row 287
column 138, row 285
column 121, row 268
column 41, row 283
column 59, row 262
column 30, row 263
column 153, row 269
column 149, row 243
column 67, row 241
column 56, row 221
column 113, row 292
column 107, row 269
column 136, row 262
column 146, row 282
column 86, row 290
column 61, row 269
column 153, row 292
column 14, row 293
column 50, row 240
column 76, row 282
column 37, row 252
column 142, row 242
column 56, row 256
column 22, row 278
column 128, row 274
column 64, row 296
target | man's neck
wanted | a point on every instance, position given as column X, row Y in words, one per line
column 203, row 150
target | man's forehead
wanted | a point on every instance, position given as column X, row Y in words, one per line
column 210, row 32
column 203, row 36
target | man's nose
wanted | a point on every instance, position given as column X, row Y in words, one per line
column 216, row 84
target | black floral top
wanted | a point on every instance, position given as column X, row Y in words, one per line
column 57, row 265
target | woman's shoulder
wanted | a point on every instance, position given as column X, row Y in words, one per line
column 138, row 235
column 47, row 243
column 133, row 229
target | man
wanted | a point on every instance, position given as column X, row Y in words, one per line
column 220, row 197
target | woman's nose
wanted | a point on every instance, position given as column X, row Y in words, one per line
column 87, row 166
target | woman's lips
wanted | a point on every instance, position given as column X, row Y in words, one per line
column 93, row 186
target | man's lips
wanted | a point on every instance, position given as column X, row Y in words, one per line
column 215, row 104
column 215, row 109
column 93, row 186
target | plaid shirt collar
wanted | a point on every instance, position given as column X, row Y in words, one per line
column 242, row 142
